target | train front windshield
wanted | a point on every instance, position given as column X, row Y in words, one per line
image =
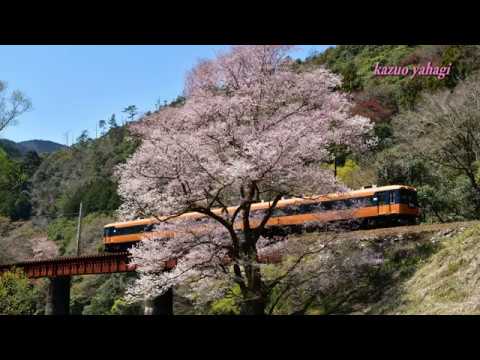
column 109, row 231
column 407, row 197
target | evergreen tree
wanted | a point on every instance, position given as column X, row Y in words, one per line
column 112, row 122
column 131, row 112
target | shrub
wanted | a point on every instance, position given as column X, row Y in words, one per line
column 17, row 295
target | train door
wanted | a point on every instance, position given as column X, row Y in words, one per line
column 385, row 199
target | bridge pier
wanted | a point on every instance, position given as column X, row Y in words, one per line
column 58, row 298
column 160, row 305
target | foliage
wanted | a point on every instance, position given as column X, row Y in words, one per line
column 98, row 196
column 345, row 173
column 63, row 231
column 228, row 305
column 14, row 198
column 81, row 173
column 358, row 61
column 444, row 132
column 108, row 298
column 381, row 98
column 10, row 148
column 17, row 295
column 102, row 295
column 131, row 111
column 122, row 307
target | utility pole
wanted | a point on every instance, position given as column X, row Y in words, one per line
column 79, row 229
column 66, row 138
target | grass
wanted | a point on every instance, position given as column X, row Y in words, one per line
column 444, row 283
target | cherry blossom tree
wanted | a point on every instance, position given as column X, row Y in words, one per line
column 251, row 129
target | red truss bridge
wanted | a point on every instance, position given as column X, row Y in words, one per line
column 106, row 263
column 60, row 271
column 71, row 266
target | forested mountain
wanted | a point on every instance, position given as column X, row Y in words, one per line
column 11, row 148
column 21, row 148
column 40, row 146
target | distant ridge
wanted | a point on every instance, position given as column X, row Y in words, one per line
column 41, row 146
column 21, row 148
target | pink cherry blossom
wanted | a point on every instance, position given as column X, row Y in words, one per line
column 251, row 129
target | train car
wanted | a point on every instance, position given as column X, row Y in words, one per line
column 364, row 208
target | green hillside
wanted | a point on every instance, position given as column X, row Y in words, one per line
column 82, row 172
column 446, row 193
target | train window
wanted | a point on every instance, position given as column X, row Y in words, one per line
column 362, row 202
column 284, row 211
column 397, row 197
column 108, row 231
column 413, row 199
column 383, row 197
column 129, row 230
column 291, row 210
column 112, row 231
column 408, row 197
column 336, row 205
column 279, row 212
column 308, row 208
column 327, row 205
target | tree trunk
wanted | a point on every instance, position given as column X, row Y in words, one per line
column 254, row 299
column 160, row 305
column 253, row 307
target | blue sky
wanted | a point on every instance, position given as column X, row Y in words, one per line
column 73, row 87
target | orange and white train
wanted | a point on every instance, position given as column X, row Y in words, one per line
column 365, row 208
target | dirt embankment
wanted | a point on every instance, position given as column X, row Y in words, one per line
column 23, row 240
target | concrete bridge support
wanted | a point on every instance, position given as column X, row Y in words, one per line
column 58, row 299
column 161, row 305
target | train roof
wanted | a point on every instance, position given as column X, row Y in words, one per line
column 265, row 205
